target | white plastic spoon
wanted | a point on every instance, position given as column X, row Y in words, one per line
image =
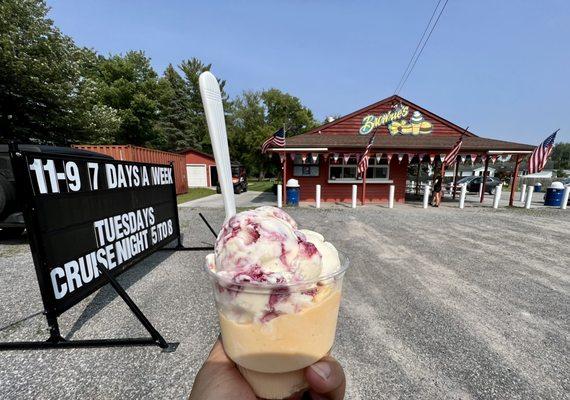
column 214, row 110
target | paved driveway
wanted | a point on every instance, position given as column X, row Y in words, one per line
column 438, row 304
column 247, row 199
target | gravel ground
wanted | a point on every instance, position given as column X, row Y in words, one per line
column 438, row 303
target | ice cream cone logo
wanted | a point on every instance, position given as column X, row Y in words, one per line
column 415, row 121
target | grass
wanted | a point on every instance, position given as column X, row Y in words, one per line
column 193, row 194
column 262, row 186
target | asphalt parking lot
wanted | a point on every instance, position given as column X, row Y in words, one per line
column 438, row 303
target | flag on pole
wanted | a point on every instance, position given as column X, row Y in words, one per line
column 452, row 156
column 540, row 155
column 277, row 140
column 363, row 163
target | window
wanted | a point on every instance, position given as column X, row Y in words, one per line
column 377, row 171
column 308, row 168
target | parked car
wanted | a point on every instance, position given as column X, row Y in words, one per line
column 239, row 179
column 11, row 219
column 473, row 183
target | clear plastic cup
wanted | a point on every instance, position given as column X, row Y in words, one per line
column 273, row 331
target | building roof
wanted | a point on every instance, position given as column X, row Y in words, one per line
column 191, row 150
column 344, row 133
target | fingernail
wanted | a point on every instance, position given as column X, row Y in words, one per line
column 322, row 369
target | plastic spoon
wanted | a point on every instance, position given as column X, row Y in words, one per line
column 214, row 110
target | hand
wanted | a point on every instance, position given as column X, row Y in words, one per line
column 220, row 379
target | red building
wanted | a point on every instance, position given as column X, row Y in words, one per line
column 405, row 133
column 200, row 168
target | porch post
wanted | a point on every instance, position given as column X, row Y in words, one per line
column 285, row 178
column 363, row 187
column 514, row 180
column 418, row 175
column 484, row 178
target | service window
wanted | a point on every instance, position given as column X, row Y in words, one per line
column 343, row 171
column 307, row 168
column 377, row 170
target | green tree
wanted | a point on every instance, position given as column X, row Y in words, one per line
column 255, row 116
column 561, row 156
column 40, row 70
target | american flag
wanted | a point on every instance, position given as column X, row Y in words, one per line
column 276, row 140
column 452, row 156
column 540, row 155
column 363, row 164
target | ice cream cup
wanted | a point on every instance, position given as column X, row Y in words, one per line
column 296, row 328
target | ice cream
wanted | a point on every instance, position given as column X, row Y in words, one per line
column 416, row 121
column 277, row 290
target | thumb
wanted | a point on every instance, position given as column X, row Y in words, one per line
column 326, row 379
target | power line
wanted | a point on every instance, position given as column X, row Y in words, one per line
column 417, row 47
column 423, row 47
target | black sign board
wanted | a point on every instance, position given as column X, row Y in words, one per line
column 89, row 211
column 88, row 220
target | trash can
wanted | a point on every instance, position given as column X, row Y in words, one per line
column 293, row 190
column 538, row 187
column 554, row 194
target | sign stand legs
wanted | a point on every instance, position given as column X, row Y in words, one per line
column 55, row 339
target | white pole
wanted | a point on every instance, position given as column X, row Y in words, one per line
column 318, row 196
column 565, row 198
column 354, row 196
column 280, row 196
column 391, row 196
column 523, row 192
column 497, row 198
column 529, row 197
column 426, row 195
column 480, row 189
column 462, row 197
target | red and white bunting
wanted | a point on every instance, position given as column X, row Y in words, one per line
column 421, row 157
column 473, row 158
column 358, row 158
column 389, row 157
column 410, row 157
column 304, row 157
column 378, row 157
column 346, row 157
column 431, row 158
column 282, row 157
column 314, row 157
column 483, row 157
column 293, row 155
column 400, row 157
column 442, row 157
column 326, row 156
column 335, row 157
column 493, row 159
column 463, row 158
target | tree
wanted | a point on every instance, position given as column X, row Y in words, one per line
column 255, row 116
column 561, row 156
column 39, row 74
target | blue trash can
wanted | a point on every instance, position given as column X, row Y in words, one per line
column 293, row 192
column 554, row 195
column 538, row 187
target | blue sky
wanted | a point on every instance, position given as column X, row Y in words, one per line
column 501, row 67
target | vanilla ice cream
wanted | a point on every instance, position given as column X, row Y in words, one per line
column 277, row 289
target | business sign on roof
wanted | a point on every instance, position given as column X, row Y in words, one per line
column 397, row 122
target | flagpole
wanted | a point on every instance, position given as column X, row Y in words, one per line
column 364, row 186
column 284, row 168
